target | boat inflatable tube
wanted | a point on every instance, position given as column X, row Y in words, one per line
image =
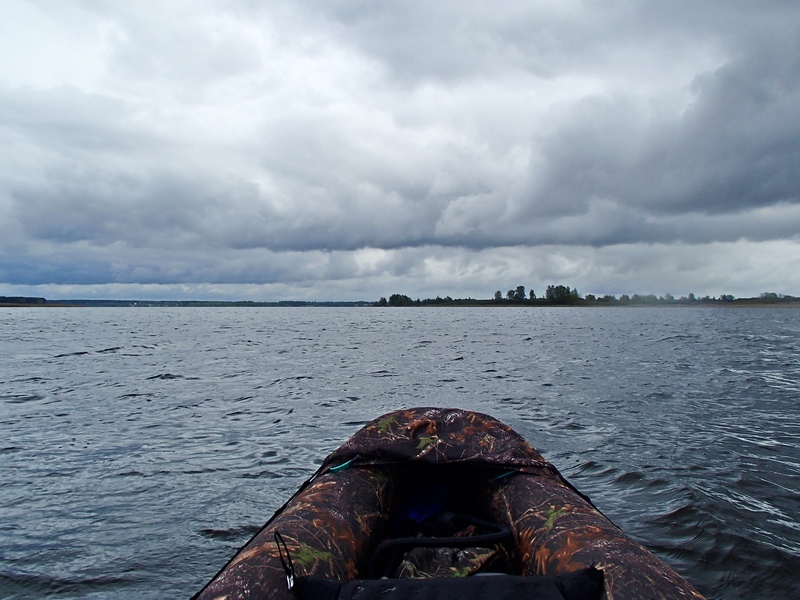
column 441, row 503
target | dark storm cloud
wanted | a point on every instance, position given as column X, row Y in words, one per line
column 733, row 146
column 736, row 146
column 327, row 141
column 619, row 158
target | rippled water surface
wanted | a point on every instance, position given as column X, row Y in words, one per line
column 141, row 447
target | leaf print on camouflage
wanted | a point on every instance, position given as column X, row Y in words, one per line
column 552, row 515
column 426, row 441
column 306, row 556
column 383, row 424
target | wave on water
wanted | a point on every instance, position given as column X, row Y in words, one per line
column 137, row 469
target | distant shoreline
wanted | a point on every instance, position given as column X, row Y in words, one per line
column 42, row 302
column 771, row 302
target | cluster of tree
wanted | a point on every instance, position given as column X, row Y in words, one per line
column 651, row 299
column 397, row 300
column 773, row 298
column 403, row 300
column 517, row 295
column 560, row 294
column 555, row 294
column 565, row 295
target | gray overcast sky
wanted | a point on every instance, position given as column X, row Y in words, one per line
column 344, row 150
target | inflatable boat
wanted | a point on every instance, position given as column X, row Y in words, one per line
column 441, row 503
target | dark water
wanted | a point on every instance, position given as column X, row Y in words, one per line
column 140, row 447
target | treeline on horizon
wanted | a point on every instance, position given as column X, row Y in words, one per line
column 25, row 301
column 554, row 295
column 564, row 295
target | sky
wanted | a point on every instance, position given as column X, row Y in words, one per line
column 348, row 150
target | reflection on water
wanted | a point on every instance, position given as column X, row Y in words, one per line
column 141, row 447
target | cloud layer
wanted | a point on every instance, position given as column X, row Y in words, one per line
column 340, row 149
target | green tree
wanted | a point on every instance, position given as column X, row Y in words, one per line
column 561, row 294
column 400, row 300
column 647, row 299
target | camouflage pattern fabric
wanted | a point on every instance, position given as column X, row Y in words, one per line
column 439, row 436
column 558, row 532
column 329, row 528
column 336, row 520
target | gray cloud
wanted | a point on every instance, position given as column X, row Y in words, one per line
column 282, row 144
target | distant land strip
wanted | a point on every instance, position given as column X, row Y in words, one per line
column 23, row 301
column 564, row 296
column 554, row 296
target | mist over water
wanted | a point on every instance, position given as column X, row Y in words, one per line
column 141, row 447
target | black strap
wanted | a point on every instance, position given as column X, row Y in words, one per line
column 288, row 566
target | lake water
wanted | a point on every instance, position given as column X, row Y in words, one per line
column 140, row 447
